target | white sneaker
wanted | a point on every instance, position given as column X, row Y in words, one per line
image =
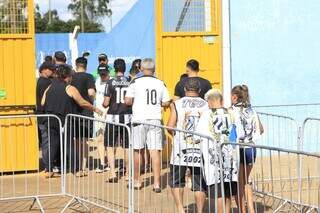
column 56, row 169
column 102, row 168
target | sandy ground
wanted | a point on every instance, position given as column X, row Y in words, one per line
column 274, row 173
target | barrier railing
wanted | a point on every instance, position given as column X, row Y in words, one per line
column 161, row 168
column 86, row 183
column 282, row 179
column 21, row 175
column 311, row 135
column 297, row 111
column 279, row 131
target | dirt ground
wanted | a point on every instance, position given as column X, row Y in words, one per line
column 274, row 174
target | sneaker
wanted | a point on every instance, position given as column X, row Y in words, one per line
column 102, row 168
column 56, row 169
column 81, row 174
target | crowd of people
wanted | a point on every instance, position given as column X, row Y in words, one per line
column 137, row 99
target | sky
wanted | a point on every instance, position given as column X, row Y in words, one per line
column 119, row 8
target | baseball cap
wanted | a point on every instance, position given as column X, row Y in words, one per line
column 102, row 56
column 47, row 65
column 103, row 69
column 82, row 60
column 60, row 56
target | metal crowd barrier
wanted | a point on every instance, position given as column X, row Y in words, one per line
column 21, row 173
column 280, row 131
column 311, row 135
column 83, row 184
column 283, row 179
column 297, row 111
column 145, row 199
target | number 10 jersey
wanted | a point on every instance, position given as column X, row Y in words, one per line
column 148, row 94
column 116, row 89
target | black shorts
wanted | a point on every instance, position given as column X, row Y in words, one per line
column 115, row 136
column 248, row 155
column 230, row 189
column 177, row 178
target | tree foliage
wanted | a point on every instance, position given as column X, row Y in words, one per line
column 93, row 11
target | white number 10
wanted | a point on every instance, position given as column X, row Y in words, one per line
column 121, row 93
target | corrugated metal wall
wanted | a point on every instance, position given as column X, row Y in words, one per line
column 18, row 137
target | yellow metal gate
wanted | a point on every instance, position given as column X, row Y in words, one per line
column 187, row 29
column 17, row 84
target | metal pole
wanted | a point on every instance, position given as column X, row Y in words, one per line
column 226, row 52
column 82, row 21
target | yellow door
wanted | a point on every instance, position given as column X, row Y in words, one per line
column 188, row 29
column 18, row 141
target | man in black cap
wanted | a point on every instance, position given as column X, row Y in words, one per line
column 59, row 58
column 103, row 59
column 84, row 82
column 46, row 71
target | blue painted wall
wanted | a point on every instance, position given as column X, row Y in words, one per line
column 276, row 49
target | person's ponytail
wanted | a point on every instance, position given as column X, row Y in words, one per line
column 245, row 95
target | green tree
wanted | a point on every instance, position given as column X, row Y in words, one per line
column 60, row 26
column 92, row 9
column 89, row 11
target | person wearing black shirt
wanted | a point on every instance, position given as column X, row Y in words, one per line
column 192, row 71
column 85, row 84
column 61, row 99
column 46, row 70
column 118, row 112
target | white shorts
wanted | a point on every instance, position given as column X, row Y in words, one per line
column 148, row 135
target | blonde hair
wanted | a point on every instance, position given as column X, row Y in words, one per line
column 213, row 94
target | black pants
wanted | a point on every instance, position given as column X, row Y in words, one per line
column 72, row 135
column 51, row 152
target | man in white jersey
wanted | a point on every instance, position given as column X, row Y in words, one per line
column 185, row 114
column 99, row 127
column 147, row 95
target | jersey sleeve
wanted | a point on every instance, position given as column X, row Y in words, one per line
column 177, row 90
column 257, row 129
column 131, row 90
column 107, row 90
column 165, row 94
